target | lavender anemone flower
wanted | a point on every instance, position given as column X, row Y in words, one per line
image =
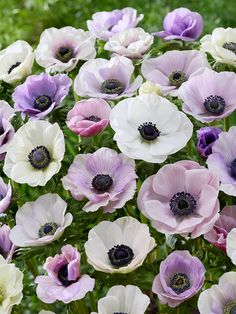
column 40, row 94
column 5, row 195
column 222, row 161
column 104, row 24
column 64, row 281
column 6, row 129
column 182, row 24
column 219, row 233
column 6, row 246
column 209, row 95
column 181, row 276
column 206, row 137
column 107, row 179
column 221, row 298
column 107, row 79
column 175, row 204
column 173, row 68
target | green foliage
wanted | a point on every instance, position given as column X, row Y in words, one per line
column 26, row 20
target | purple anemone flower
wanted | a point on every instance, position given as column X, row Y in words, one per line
column 182, row 24
column 181, row 276
column 222, row 161
column 107, row 179
column 6, row 246
column 64, row 281
column 40, row 94
column 227, row 221
column 5, row 195
column 175, row 204
column 6, row 129
column 173, row 68
column 206, row 137
column 209, row 95
column 107, row 79
column 104, row 24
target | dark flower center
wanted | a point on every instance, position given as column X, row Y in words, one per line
column 48, row 229
column 93, row 118
column 182, row 204
column 62, row 275
column 112, row 86
column 39, row 157
column 215, row 104
column 120, row 255
column 149, row 131
column 179, row 283
column 64, row 54
column 233, row 169
column 230, row 308
column 43, row 102
column 177, row 78
column 102, row 182
column 13, row 67
column 230, row 46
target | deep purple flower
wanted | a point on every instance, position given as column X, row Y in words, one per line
column 6, row 246
column 107, row 79
column 206, row 137
column 182, row 24
column 40, row 94
column 5, row 195
column 64, row 281
column 104, row 24
column 181, row 276
column 222, row 161
column 6, row 129
column 107, row 179
column 227, row 221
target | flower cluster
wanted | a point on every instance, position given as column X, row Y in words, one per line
column 118, row 168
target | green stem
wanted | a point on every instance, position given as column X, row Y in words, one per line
column 32, row 266
column 79, row 307
column 190, row 148
column 226, row 123
column 92, row 302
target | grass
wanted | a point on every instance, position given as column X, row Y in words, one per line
column 26, row 19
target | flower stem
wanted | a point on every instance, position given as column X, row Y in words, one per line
column 190, row 148
column 32, row 266
column 79, row 306
column 226, row 123
column 92, row 302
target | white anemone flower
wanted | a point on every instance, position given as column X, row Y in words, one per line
column 230, row 245
column 149, row 127
column 220, row 298
column 60, row 49
column 11, row 286
column 35, row 153
column 131, row 43
column 120, row 246
column 46, row 312
column 123, row 299
column 16, row 62
column 221, row 44
column 40, row 222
